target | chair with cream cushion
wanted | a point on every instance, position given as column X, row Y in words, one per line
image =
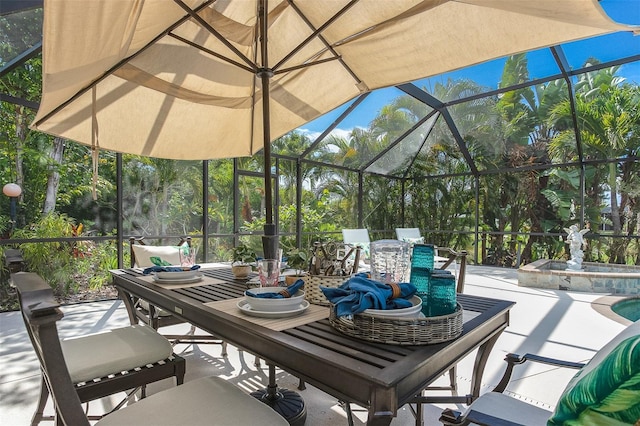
column 141, row 257
column 205, row 401
column 457, row 258
column 359, row 237
column 105, row 363
column 413, row 236
column 141, row 252
column 605, row 391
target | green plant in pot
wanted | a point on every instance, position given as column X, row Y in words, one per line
column 299, row 260
column 243, row 258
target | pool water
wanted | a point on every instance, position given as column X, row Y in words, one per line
column 628, row 308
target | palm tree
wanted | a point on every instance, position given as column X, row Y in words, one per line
column 609, row 122
column 527, row 134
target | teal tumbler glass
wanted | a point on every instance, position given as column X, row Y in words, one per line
column 422, row 256
column 420, row 278
column 442, row 294
column 421, row 267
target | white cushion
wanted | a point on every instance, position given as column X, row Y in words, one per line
column 143, row 254
column 111, row 352
column 206, row 401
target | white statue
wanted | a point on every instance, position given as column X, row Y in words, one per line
column 575, row 239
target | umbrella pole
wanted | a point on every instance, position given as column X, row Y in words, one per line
column 287, row 403
column 270, row 238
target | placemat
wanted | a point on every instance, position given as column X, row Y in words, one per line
column 311, row 314
column 204, row 281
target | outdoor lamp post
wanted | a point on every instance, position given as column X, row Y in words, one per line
column 13, row 191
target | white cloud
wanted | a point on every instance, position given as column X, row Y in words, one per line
column 339, row 133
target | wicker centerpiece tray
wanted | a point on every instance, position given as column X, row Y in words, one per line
column 398, row 331
column 312, row 285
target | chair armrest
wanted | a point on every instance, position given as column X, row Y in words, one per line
column 453, row 257
column 515, row 359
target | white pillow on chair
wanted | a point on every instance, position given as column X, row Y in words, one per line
column 144, row 253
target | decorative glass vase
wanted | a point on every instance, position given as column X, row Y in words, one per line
column 389, row 260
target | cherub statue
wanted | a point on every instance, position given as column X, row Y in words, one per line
column 575, row 239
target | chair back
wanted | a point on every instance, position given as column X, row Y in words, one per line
column 40, row 313
column 356, row 236
column 409, row 233
column 141, row 253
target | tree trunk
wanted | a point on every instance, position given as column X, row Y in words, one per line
column 21, row 135
column 53, row 180
column 617, row 245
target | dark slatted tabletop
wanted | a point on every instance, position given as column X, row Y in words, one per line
column 380, row 376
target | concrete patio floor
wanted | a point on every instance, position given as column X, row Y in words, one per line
column 559, row 324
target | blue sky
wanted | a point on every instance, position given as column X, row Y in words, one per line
column 541, row 64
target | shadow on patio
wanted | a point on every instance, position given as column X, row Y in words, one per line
column 558, row 324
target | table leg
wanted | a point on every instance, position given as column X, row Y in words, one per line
column 480, row 363
column 128, row 303
column 382, row 408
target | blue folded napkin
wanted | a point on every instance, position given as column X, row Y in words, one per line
column 157, row 268
column 360, row 293
column 290, row 291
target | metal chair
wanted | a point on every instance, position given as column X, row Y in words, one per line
column 210, row 399
column 149, row 314
column 458, row 258
column 97, row 365
column 413, row 236
column 359, row 238
column 604, row 391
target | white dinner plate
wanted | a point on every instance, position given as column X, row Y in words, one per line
column 410, row 312
column 246, row 309
column 176, row 275
column 192, row 279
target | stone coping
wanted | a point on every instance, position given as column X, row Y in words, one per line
column 544, row 266
column 603, row 304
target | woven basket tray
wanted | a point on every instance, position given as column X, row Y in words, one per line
column 312, row 284
column 394, row 331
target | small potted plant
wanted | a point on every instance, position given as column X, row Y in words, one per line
column 299, row 260
column 243, row 257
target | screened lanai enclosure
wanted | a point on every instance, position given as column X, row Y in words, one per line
column 497, row 157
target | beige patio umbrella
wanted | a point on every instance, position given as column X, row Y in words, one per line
column 196, row 79
column 203, row 79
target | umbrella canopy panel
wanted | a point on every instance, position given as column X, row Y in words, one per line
column 182, row 80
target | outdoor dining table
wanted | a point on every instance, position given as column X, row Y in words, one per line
column 379, row 376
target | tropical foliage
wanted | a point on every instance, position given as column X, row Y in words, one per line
column 523, row 165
